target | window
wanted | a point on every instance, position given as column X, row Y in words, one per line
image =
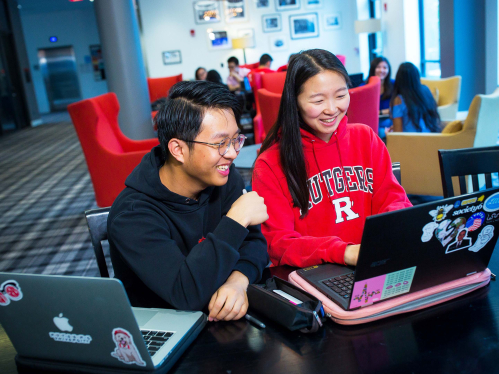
column 429, row 19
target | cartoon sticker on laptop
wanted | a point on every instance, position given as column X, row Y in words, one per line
column 126, row 351
column 447, row 231
column 366, row 295
column 10, row 291
column 438, row 215
column 462, row 241
column 484, row 237
column 371, row 290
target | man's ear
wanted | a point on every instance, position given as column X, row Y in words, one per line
column 178, row 149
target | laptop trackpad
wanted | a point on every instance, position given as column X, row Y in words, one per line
column 143, row 315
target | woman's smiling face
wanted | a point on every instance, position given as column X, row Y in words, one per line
column 323, row 102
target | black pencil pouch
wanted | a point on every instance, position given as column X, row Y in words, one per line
column 306, row 316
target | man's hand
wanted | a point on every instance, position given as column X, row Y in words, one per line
column 248, row 210
column 230, row 301
column 352, row 254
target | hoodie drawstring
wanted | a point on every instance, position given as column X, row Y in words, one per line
column 320, row 171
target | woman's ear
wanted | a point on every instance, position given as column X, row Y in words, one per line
column 178, row 149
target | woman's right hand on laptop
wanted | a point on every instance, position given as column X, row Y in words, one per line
column 352, row 254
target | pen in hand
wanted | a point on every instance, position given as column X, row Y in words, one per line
column 254, row 321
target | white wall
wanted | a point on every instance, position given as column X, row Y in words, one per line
column 167, row 24
column 77, row 28
column 401, row 32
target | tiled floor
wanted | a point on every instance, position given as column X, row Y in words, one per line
column 44, row 190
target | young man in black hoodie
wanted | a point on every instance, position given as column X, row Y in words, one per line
column 182, row 234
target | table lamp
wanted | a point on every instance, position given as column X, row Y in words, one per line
column 242, row 43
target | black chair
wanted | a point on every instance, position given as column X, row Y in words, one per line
column 468, row 161
column 97, row 226
column 396, row 171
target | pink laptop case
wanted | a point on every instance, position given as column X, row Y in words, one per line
column 402, row 304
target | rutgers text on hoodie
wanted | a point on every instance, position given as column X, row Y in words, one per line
column 349, row 178
column 172, row 251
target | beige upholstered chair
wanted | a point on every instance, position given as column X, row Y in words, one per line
column 446, row 92
column 418, row 152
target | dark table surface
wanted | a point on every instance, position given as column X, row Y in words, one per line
column 460, row 336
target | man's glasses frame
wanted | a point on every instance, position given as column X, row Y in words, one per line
column 237, row 141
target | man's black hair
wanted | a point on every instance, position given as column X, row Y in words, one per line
column 234, row 60
column 265, row 58
column 214, row 76
column 185, row 107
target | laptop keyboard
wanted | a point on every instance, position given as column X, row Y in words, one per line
column 155, row 339
column 341, row 285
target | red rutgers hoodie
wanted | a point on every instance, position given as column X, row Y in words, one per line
column 349, row 178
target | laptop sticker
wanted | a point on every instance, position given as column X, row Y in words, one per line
column 484, row 237
column 480, row 199
column 492, row 203
column 382, row 287
column 62, row 323
column 367, row 291
column 428, row 230
column 10, row 291
column 440, row 213
column 447, row 231
column 462, row 241
column 475, row 221
column 126, row 351
column 469, row 201
column 492, row 217
column 457, row 204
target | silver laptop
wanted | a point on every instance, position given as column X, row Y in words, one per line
column 90, row 321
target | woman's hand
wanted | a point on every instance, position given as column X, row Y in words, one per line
column 352, row 254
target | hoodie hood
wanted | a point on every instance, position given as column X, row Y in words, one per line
column 310, row 140
column 145, row 179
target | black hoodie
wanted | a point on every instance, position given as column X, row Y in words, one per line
column 172, row 251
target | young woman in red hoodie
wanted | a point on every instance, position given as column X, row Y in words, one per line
column 321, row 176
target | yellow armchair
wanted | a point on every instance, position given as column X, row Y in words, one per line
column 418, row 152
column 449, row 91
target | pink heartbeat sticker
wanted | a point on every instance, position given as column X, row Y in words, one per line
column 382, row 287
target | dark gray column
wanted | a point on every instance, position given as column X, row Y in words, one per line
column 468, row 45
column 125, row 72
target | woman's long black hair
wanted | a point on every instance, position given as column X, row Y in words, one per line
column 286, row 130
column 387, row 84
column 419, row 105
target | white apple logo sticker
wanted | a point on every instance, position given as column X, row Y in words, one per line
column 62, row 323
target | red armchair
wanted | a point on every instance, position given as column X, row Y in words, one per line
column 267, row 110
column 250, row 66
column 109, row 154
column 274, row 82
column 364, row 104
column 159, row 87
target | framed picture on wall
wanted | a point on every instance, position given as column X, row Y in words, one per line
column 262, row 3
column 97, row 62
column 206, row 11
column 271, row 22
column 332, row 21
column 314, row 4
column 235, row 11
column 304, row 26
column 278, row 43
column 287, row 4
column 172, row 57
column 219, row 39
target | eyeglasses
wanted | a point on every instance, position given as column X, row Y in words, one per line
column 224, row 145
